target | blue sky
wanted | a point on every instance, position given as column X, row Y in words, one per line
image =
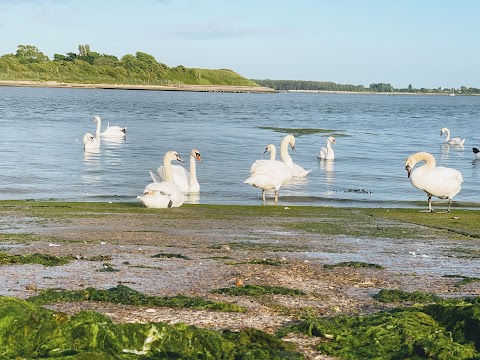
column 426, row 43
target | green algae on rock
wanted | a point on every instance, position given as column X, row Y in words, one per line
column 257, row 290
column 438, row 331
column 394, row 296
column 354, row 264
column 37, row 258
column 122, row 294
column 30, row 331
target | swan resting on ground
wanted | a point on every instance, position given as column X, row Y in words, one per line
column 452, row 141
column 438, row 181
column 327, row 153
column 111, row 131
column 476, row 153
column 165, row 194
column 91, row 144
column 273, row 154
column 272, row 174
column 186, row 181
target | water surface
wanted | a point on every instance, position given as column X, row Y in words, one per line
column 43, row 157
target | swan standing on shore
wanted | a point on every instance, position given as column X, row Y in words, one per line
column 91, row 144
column 111, row 131
column 327, row 153
column 452, row 141
column 273, row 154
column 165, row 194
column 186, row 181
column 440, row 181
column 272, row 174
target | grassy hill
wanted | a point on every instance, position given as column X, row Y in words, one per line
column 88, row 67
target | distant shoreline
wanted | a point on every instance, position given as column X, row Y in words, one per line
column 179, row 87
column 196, row 88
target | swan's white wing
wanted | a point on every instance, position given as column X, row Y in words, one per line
column 299, row 172
column 181, row 176
column 155, row 177
column 441, row 182
column 114, row 131
column 255, row 164
column 270, row 174
column 323, row 153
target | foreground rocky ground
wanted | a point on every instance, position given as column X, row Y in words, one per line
column 206, row 248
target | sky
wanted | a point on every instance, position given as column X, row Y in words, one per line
column 425, row 43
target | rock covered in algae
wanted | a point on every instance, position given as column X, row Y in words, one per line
column 30, row 331
column 440, row 331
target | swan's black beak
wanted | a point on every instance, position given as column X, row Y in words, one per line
column 293, row 147
column 409, row 170
column 179, row 158
column 266, row 150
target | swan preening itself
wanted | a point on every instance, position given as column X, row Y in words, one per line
column 111, row 131
column 164, row 194
column 186, row 181
column 476, row 153
column 327, row 153
column 440, row 181
column 452, row 141
column 272, row 174
column 91, row 144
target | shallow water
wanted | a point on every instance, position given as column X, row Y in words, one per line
column 43, row 158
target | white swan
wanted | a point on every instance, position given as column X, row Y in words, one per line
column 272, row 174
column 91, row 144
column 476, row 153
column 327, row 153
column 164, row 194
column 298, row 171
column 273, row 154
column 452, row 141
column 440, row 181
column 186, row 181
column 111, row 131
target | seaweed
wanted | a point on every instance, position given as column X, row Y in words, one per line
column 354, row 264
column 438, row 331
column 394, row 296
column 122, row 294
column 30, row 331
column 36, row 258
column 307, row 131
column 170, row 256
column 257, row 290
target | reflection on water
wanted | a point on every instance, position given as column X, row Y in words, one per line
column 192, row 198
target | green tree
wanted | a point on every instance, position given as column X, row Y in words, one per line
column 30, row 54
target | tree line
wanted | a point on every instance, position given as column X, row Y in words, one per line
column 285, row 85
column 87, row 66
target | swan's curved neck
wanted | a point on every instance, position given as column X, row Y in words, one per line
column 98, row 127
column 285, row 155
column 167, row 165
column 448, row 135
column 430, row 162
column 193, row 170
column 273, row 153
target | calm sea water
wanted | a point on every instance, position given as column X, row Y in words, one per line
column 43, row 158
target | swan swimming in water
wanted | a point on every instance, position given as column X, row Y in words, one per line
column 476, row 153
column 111, row 131
column 273, row 153
column 165, row 194
column 186, row 181
column 91, row 144
column 452, row 141
column 327, row 153
column 272, row 174
column 438, row 181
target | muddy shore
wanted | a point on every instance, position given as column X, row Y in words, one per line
column 177, row 87
column 223, row 246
